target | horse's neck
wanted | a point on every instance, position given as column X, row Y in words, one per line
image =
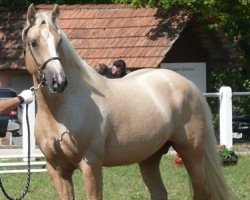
column 41, row 97
column 82, row 80
column 78, row 68
column 79, row 87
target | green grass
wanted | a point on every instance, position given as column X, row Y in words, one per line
column 125, row 183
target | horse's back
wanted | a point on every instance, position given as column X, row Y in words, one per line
column 176, row 80
column 166, row 82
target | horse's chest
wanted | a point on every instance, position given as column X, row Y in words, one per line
column 61, row 146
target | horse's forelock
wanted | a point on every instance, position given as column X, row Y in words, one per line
column 44, row 17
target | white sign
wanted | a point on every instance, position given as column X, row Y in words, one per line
column 196, row 72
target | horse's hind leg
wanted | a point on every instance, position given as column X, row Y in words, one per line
column 63, row 182
column 190, row 147
column 152, row 178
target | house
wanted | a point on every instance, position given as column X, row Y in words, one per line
column 144, row 38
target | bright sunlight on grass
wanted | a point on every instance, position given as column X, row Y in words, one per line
column 125, row 183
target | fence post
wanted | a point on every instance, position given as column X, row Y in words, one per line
column 226, row 132
column 31, row 114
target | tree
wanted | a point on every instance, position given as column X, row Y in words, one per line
column 233, row 17
column 17, row 3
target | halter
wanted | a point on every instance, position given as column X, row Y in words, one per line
column 41, row 67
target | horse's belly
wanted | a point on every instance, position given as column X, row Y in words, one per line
column 129, row 152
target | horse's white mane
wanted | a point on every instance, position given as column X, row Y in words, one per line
column 71, row 54
column 89, row 74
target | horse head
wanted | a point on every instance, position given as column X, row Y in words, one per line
column 42, row 39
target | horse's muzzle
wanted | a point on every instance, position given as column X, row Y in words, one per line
column 57, row 87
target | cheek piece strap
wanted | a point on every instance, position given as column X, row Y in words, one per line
column 41, row 66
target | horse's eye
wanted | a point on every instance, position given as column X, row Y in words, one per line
column 34, row 43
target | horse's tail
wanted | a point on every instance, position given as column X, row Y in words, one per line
column 214, row 176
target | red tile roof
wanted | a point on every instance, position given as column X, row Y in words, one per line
column 102, row 34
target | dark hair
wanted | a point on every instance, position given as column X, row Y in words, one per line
column 120, row 64
column 101, row 69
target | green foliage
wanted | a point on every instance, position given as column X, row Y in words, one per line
column 233, row 17
column 225, row 152
column 238, row 80
column 17, row 3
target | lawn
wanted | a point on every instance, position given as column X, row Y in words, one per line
column 125, row 183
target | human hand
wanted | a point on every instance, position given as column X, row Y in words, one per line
column 27, row 96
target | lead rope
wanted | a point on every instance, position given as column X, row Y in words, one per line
column 29, row 173
column 40, row 85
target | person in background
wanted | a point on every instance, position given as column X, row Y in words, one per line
column 102, row 69
column 118, row 69
column 7, row 105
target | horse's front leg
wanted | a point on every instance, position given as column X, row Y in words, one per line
column 62, row 180
column 92, row 171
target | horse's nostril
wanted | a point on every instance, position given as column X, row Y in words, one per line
column 55, row 84
column 65, row 82
column 58, row 87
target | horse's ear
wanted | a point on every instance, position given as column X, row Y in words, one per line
column 31, row 18
column 55, row 13
column 31, row 15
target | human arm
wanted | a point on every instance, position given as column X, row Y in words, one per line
column 8, row 105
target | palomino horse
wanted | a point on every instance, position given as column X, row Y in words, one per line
column 94, row 121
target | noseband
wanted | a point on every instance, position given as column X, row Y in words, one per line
column 41, row 67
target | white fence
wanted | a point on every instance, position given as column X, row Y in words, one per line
column 225, row 95
column 39, row 165
column 225, row 112
column 5, row 167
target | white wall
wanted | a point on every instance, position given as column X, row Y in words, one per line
column 196, row 72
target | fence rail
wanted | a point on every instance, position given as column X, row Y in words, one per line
column 9, row 166
column 21, row 156
column 241, row 94
column 21, row 164
column 19, row 171
column 225, row 95
column 215, row 94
